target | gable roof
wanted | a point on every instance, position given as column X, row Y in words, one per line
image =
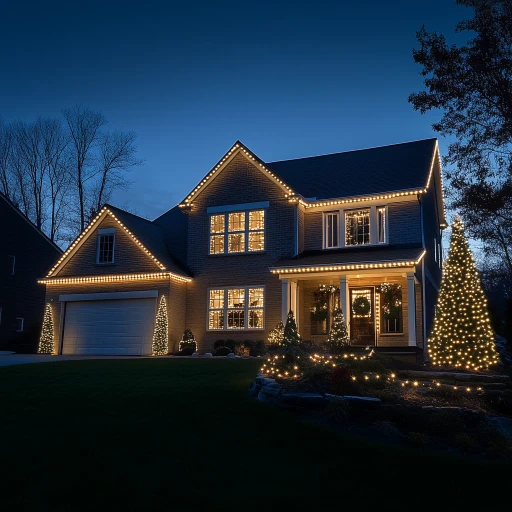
column 174, row 225
column 362, row 172
column 148, row 236
column 237, row 148
column 29, row 222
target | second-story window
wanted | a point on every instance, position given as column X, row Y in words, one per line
column 357, row 227
column 331, row 229
column 106, row 242
column 237, row 232
column 381, row 225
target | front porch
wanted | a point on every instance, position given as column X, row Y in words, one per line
column 382, row 308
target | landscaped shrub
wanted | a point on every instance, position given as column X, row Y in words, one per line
column 341, row 381
column 258, row 349
column 188, row 341
column 223, row 351
column 309, row 346
column 467, row 443
column 388, row 430
column 219, row 343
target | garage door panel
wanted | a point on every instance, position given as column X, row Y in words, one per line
column 110, row 327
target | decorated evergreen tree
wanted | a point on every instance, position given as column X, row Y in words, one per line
column 276, row 335
column 160, row 337
column 188, row 340
column 338, row 335
column 462, row 335
column 291, row 334
column 46, row 344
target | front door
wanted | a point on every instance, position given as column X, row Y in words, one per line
column 362, row 316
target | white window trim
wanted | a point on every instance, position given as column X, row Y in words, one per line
column 22, row 323
column 246, row 309
column 106, row 231
column 246, row 232
column 374, row 231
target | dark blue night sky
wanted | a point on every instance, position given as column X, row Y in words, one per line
column 288, row 80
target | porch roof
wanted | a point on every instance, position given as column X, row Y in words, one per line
column 350, row 259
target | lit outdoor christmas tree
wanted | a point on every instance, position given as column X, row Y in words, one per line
column 275, row 336
column 160, row 337
column 462, row 335
column 291, row 334
column 46, row 341
column 338, row 335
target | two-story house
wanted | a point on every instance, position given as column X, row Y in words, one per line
column 360, row 230
column 26, row 253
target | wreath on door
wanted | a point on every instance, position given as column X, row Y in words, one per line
column 361, row 306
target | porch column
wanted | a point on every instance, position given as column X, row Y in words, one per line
column 344, row 299
column 294, row 301
column 411, row 308
column 285, row 299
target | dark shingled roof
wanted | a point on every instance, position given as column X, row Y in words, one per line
column 175, row 228
column 353, row 256
column 362, row 172
column 152, row 237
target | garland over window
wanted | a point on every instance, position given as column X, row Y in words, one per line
column 320, row 309
column 391, row 299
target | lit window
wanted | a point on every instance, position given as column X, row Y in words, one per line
column 391, row 310
column 245, row 232
column 236, row 305
column 216, row 309
column 381, row 224
column 106, row 242
column 331, row 229
column 257, row 230
column 19, row 324
column 357, row 230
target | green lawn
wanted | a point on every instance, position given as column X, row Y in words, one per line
column 183, row 434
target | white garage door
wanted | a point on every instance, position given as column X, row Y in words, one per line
column 109, row 327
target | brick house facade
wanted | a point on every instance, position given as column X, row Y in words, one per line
column 254, row 240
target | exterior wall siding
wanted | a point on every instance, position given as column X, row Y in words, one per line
column 128, row 257
column 20, row 295
column 239, row 182
column 313, row 231
column 301, row 229
column 404, row 223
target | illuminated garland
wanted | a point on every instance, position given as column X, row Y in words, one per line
column 462, row 336
column 161, row 337
column 113, row 278
column 46, row 342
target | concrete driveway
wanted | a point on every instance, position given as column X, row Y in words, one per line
column 11, row 359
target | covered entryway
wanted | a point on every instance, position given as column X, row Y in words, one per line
column 362, row 316
column 109, row 327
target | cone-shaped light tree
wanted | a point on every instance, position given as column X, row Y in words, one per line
column 46, row 344
column 160, row 337
column 462, row 336
column 338, row 335
column 291, row 334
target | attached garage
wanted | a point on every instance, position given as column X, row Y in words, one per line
column 114, row 324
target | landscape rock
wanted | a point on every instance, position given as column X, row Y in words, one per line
column 263, row 381
column 308, row 400
column 254, row 389
column 195, row 354
column 337, row 398
column 502, row 425
column 272, row 389
column 364, row 402
column 208, row 354
column 231, row 356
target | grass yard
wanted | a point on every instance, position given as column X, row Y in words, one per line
column 184, row 434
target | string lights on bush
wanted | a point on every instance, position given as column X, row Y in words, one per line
column 46, row 342
column 462, row 336
column 161, row 336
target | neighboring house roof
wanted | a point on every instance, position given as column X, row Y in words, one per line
column 29, row 222
column 356, row 173
column 386, row 256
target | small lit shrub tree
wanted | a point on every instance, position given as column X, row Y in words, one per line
column 276, row 335
column 291, row 334
column 188, row 341
column 338, row 336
